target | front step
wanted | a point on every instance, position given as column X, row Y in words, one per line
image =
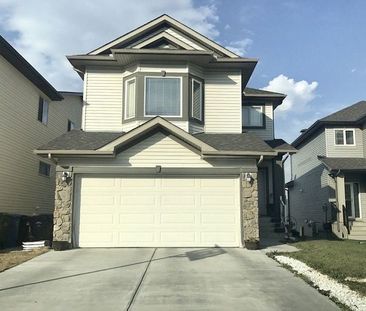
column 358, row 231
column 357, row 237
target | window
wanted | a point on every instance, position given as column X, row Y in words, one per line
column 253, row 116
column 163, row 96
column 344, row 137
column 196, row 99
column 43, row 110
column 130, row 98
column 44, row 169
column 70, row 125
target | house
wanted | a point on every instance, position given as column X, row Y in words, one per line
column 328, row 183
column 174, row 149
column 32, row 113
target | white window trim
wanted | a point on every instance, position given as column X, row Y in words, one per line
column 125, row 99
column 344, row 137
column 201, row 99
column 359, row 197
column 181, row 96
column 262, row 112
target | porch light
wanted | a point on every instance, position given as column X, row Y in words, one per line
column 65, row 176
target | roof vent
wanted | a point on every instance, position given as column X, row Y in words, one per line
column 303, row 131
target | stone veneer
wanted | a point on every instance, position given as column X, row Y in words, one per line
column 62, row 217
column 250, row 211
column 62, row 232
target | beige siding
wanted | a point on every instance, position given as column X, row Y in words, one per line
column 311, row 187
column 268, row 132
column 159, row 149
column 223, row 102
column 22, row 190
column 103, row 100
column 344, row 151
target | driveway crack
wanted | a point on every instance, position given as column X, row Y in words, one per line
column 135, row 292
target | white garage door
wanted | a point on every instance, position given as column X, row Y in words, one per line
column 157, row 212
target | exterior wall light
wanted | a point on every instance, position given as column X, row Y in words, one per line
column 249, row 177
column 158, row 169
column 65, row 176
column 163, row 73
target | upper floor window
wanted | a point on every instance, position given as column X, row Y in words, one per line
column 163, row 96
column 70, row 125
column 197, row 100
column 43, row 110
column 130, row 98
column 253, row 116
column 344, row 137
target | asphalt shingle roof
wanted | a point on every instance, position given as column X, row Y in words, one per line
column 80, row 140
column 234, row 142
column 344, row 164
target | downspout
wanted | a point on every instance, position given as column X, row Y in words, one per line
column 287, row 190
column 49, row 156
column 260, row 160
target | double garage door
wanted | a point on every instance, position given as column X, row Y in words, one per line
column 157, row 211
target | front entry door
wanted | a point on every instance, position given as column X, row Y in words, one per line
column 352, row 199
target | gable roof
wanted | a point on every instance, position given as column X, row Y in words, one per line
column 352, row 115
column 160, row 22
column 27, row 70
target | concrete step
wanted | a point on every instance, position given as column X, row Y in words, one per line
column 359, row 224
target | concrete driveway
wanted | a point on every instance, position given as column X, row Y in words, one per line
column 156, row 279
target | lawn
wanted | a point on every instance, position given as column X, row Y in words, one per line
column 338, row 259
column 13, row 257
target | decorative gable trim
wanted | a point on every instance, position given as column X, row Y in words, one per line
column 161, row 20
column 153, row 125
column 168, row 37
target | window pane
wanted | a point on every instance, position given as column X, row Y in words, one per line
column 252, row 116
column 40, row 109
column 339, row 140
column 45, row 112
column 130, row 98
column 44, row 169
column 163, row 96
column 196, row 100
column 349, row 138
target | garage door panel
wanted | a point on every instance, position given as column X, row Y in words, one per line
column 138, row 218
column 177, row 218
column 172, row 212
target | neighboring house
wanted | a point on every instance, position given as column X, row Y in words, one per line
column 32, row 112
column 174, row 149
column 328, row 174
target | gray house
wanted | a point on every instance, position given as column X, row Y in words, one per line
column 174, row 149
column 328, row 174
column 32, row 113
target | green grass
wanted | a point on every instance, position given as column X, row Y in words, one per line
column 337, row 258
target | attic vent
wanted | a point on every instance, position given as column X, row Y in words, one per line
column 303, row 131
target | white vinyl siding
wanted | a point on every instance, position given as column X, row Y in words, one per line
column 22, row 189
column 266, row 133
column 103, row 100
column 344, row 151
column 223, row 102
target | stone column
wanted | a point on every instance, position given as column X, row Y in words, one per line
column 62, row 217
column 250, row 211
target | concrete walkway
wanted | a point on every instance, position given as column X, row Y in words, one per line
column 156, row 279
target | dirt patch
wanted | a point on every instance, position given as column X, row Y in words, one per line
column 12, row 257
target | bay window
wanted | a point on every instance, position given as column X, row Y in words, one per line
column 163, row 96
column 196, row 100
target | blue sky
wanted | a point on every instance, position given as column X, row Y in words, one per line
column 313, row 50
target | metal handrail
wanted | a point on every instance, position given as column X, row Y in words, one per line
column 345, row 219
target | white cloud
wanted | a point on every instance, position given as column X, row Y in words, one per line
column 227, row 27
column 46, row 31
column 299, row 93
column 353, row 70
column 240, row 47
